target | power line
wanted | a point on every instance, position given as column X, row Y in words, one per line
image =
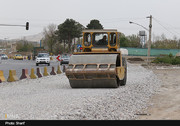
column 81, row 19
column 157, row 21
column 172, row 27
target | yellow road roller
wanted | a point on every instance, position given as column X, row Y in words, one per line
column 100, row 63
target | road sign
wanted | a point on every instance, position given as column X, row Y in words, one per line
column 79, row 46
column 58, row 58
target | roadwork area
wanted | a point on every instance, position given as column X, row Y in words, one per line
column 166, row 103
column 52, row 98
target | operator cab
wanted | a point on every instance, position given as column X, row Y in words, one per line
column 106, row 39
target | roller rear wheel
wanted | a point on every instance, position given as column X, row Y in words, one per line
column 123, row 82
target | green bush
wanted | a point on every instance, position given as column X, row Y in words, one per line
column 170, row 59
column 171, row 55
column 176, row 61
column 157, row 60
column 165, row 59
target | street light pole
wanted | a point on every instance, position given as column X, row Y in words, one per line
column 139, row 25
column 150, row 34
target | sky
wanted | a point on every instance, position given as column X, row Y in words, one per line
column 112, row 14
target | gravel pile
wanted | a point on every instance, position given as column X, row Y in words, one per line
column 52, row 98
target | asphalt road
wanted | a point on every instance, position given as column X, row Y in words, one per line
column 18, row 65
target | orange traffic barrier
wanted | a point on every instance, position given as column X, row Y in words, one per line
column 38, row 73
column 59, row 70
column 2, row 78
column 24, row 74
column 32, row 75
column 53, row 71
column 45, row 72
column 64, row 68
column 12, row 76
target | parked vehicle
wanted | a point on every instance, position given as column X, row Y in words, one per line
column 37, row 50
column 43, row 58
column 18, row 57
column 4, row 56
column 64, row 59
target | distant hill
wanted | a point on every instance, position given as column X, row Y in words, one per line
column 34, row 38
column 31, row 38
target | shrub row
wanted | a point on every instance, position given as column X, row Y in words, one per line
column 169, row 59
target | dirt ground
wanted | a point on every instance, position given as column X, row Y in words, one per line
column 166, row 103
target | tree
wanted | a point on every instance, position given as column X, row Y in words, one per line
column 50, row 36
column 134, row 41
column 130, row 41
column 58, row 48
column 94, row 24
column 69, row 30
column 123, row 41
column 163, row 43
column 24, row 46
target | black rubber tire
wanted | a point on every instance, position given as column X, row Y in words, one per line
column 118, row 81
column 37, row 64
column 48, row 64
column 123, row 82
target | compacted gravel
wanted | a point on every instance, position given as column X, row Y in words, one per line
column 52, row 98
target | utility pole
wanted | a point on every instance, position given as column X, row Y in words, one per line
column 150, row 34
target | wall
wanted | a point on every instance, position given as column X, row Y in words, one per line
column 154, row 52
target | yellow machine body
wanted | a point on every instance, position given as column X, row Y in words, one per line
column 98, row 65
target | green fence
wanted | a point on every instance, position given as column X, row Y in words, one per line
column 154, row 52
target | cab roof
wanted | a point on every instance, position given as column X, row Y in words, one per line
column 100, row 30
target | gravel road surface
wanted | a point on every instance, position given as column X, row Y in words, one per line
column 166, row 103
column 52, row 98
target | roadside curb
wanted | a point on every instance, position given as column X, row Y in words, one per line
column 13, row 77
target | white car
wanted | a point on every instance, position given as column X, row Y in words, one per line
column 4, row 56
column 64, row 59
column 43, row 58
